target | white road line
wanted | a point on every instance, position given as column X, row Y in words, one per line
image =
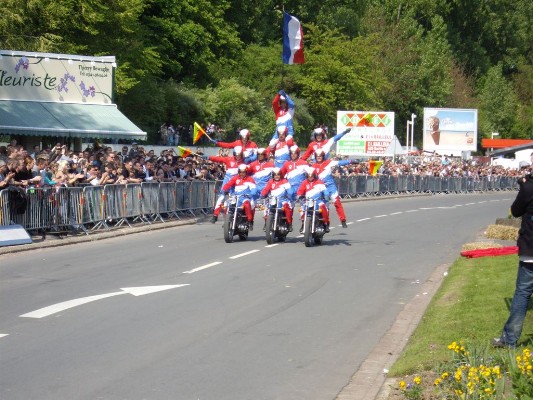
column 469, row 204
column 349, row 223
column 203, row 267
column 55, row 308
column 396, row 213
column 243, row 254
column 271, row 245
column 412, row 211
column 362, row 219
column 3, row 335
column 380, row 216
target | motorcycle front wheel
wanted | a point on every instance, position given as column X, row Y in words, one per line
column 269, row 229
column 308, row 235
column 228, row 229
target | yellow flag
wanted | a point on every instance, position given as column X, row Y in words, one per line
column 373, row 166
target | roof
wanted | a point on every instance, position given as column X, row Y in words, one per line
column 503, row 143
column 66, row 120
column 510, row 150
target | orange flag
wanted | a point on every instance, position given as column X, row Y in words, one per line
column 198, row 132
column 183, row 152
column 373, row 166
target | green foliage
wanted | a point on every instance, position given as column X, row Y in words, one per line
column 340, row 74
column 498, row 103
column 234, row 106
column 364, row 54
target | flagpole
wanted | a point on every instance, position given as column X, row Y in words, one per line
column 282, row 38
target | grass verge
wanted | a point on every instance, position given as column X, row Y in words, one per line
column 472, row 304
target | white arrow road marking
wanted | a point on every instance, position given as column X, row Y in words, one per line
column 243, row 254
column 65, row 305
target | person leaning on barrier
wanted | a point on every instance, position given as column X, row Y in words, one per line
column 521, row 207
column 6, row 176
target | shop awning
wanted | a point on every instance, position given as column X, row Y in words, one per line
column 66, row 120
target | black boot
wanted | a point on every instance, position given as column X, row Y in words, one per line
column 302, row 228
column 326, row 228
column 214, row 218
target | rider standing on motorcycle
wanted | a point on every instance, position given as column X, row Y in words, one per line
column 281, row 189
column 283, row 107
column 321, row 141
column 261, row 169
column 249, row 148
column 243, row 185
column 314, row 188
column 280, row 146
column 325, row 173
column 232, row 164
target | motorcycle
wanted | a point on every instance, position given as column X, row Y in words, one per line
column 235, row 222
column 314, row 226
column 276, row 226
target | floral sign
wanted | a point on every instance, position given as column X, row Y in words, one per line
column 56, row 77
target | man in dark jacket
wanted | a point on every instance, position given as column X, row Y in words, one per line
column 521, row 207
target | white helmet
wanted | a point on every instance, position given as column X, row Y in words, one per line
column 311, row 171
column 244, row 133
column 283, row 129
column 261, row 150
column 237, row 150
column 319, row 152
column 320, row 131
column 295, row 149
column 242, row 168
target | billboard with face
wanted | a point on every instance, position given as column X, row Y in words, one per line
column 450, row 130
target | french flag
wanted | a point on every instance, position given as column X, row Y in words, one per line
column 293, row 40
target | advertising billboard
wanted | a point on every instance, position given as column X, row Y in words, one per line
column 56, row 77
column 372, row 132
column 450, row 130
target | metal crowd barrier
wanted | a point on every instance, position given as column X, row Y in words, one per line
column 90, row 208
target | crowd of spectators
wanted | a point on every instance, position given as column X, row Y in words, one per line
column 101, row 165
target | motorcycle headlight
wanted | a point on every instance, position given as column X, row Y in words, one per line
column 273, row 201
column 310, row 203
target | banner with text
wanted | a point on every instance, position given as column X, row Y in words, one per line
column 372, row 132
column 56, row 77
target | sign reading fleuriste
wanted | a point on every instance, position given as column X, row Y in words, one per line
column 56, row 77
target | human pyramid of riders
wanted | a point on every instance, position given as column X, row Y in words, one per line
column 280, row 170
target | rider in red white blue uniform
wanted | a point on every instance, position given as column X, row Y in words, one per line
column 280, row 188
column 232, row 163
column 294, row 169
column 280, row 146
column 283, row 107
column 243, row 185
column 249, row 148
column 261, row 169
column 314, row 188
column 325, row 173
column 321, row 141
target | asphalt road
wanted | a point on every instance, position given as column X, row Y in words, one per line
column 179, row 314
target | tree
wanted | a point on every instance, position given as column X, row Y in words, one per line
column 498, row 104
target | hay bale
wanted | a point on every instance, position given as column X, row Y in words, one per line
column 501, row 232
column 480, row 245
column 509, row 222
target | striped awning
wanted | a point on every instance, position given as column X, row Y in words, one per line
column 66, row 120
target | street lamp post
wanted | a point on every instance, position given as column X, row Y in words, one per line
column 492, row 137
column 413, row 116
